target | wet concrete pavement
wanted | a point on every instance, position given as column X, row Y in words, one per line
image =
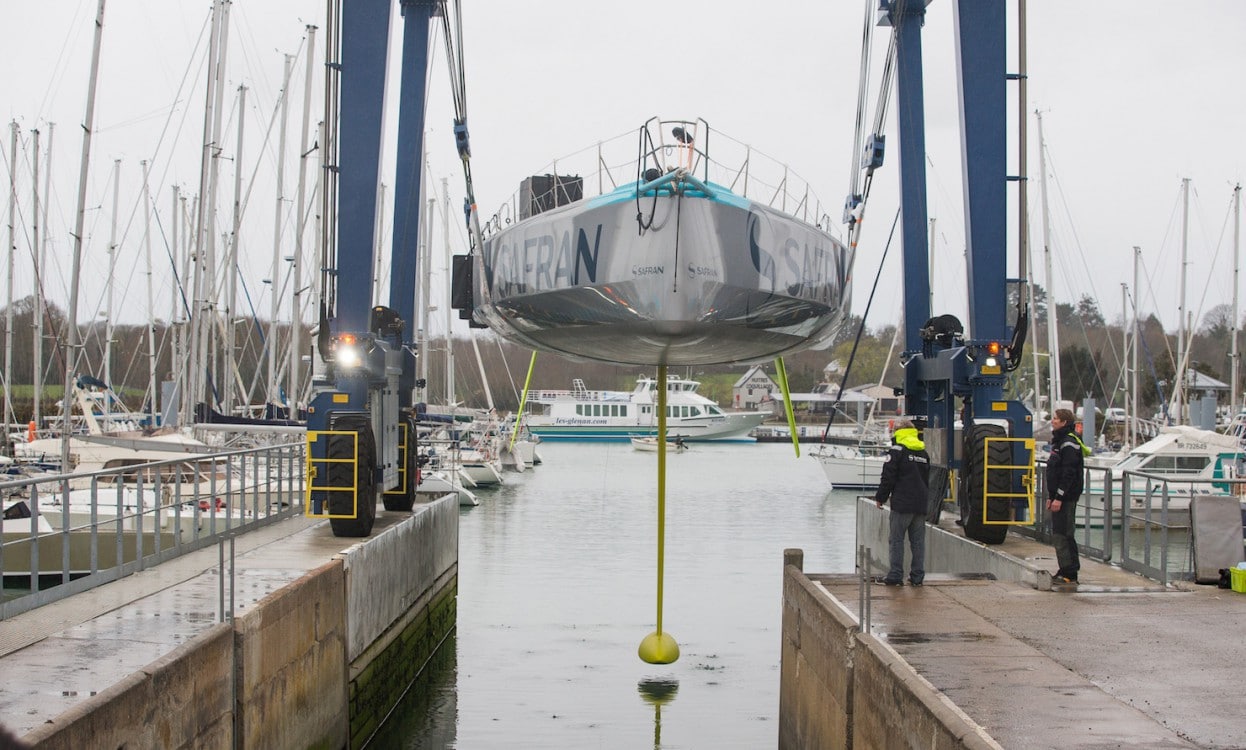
column 1123, row 662
column 62, row 653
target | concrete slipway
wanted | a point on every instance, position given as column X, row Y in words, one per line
column 150, row 649
column 1123, row 662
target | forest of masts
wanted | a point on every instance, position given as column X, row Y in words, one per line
column 240, row 348
column 1092, row 360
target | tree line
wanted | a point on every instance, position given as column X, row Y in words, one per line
column 1092, row 359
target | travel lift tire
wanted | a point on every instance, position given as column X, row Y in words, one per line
column 342, row 473
column 402, row 499
column 974, row 485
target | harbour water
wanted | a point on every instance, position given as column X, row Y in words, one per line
column 557, row 588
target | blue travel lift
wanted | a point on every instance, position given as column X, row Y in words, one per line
column 981, row 442
column 361, row 421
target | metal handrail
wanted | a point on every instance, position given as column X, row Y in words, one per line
column 732, row 164
column 117, row 521
column 1149, row 537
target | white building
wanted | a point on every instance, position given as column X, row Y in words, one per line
column 754, row 388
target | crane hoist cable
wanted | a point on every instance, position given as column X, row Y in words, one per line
column 867, row 159
column 453, row 29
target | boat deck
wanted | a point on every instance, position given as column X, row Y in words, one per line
column 1122, row 662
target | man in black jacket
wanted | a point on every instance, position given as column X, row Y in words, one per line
column 1065, row 470
column 905, row 481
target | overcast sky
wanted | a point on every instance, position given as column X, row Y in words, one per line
column 1135, row 97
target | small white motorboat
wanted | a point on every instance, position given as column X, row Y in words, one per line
column 650, row 444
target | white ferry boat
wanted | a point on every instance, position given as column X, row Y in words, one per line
column 583, row 414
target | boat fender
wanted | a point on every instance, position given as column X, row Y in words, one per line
column 31, row 432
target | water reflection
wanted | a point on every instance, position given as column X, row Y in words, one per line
column 557, row 572
column 426, row 716
column 657, row 693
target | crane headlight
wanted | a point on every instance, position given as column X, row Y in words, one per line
column 990, row 363
column 346, row 353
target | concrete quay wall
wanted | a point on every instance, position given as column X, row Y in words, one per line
column 291, row 671
column 402, row 603
column 841, row 688
column 182, row 700
column 815, row 692
column 316, row 664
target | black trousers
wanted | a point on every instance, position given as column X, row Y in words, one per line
column 1063, row 538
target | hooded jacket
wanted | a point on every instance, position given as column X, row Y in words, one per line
column 1065, row 465
column 906, row 474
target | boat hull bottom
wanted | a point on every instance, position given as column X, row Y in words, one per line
column 690, row 344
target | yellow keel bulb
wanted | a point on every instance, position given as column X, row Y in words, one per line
column 658, row 648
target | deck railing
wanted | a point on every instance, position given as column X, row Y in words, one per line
column 87, row 529
column 704, row 152
column 1140, row 520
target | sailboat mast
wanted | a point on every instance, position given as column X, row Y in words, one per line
column 8, row 310
column 71, row 322
column 445, row 222
column 196, row 386
column 1135, row 386
column 380, row 243
column 212, row 317
column 275, row 287
column 480, row 364
column 153, row 386
column 37, row 413
column 1237, row 233
column 296, row 315
column 1038, row 381
column 109, row 324
column 1179, row 393
column 44, row 239
column 231, row 262
column 425, row 306
column 1053, row 334
column 1125, row 340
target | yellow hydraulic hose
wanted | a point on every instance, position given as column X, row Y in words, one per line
column 781, row 371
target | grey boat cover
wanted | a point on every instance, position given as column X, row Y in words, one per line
column 1216, row 522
